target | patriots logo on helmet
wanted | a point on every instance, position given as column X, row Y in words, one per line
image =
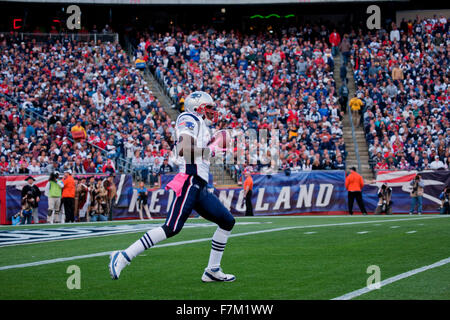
column 196, row 95
column 198, row 101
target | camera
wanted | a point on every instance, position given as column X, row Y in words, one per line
column 53, row 176
column 416, row 185
column 28, row 199
column 141, row 196
column 384, row 206
column 447, row 194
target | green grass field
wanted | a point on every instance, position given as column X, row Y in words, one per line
column 273, row 258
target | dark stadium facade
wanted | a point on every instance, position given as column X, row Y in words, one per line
column 27, row 16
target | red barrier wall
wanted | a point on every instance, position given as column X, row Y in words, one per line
column 2, row 200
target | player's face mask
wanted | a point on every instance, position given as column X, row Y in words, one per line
column 209, row 114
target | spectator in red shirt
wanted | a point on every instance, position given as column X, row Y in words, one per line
column 276, row 82
column 87, row 162
column 382, row 165
column 4, row 166
column 101, row 143
column 335, row 40
column 109, row 167
column 60, row 130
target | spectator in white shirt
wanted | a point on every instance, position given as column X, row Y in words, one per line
column 34, row 167
column 437, row 164
column 395, row 34
column 99, row 100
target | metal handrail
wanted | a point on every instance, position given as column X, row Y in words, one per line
column 163, row 89
column 74, row 36
column 354, row 137
column 19, row 105
column 120, row 162
column 353, row 130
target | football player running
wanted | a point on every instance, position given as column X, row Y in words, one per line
column 194, row 149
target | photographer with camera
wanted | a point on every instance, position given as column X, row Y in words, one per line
column 35, row 194
column 445, row 197
column 142, row 201
column 99, row 206
column 417, row 186
column 384, row 202
column 28, row 202
column 111, row 196
column 53, row 191
column 82, row 194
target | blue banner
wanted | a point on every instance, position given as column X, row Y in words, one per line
column 297, row 193
column 316, row 193
column 313, row 192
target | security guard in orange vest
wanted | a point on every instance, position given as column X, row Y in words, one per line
column 248, row 188
column 354, row 184
column 68, row 196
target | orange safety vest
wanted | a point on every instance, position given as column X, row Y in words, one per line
column 248, row 183
column 354, row 182
column 69, row 188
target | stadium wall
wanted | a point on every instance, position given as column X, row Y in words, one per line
column 303, row 193
column 423, row 14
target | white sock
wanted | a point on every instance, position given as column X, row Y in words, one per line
column 148, row 240
column 219, row 240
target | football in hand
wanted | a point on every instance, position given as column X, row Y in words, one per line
column 220, row 139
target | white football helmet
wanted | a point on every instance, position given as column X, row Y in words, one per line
column 201, row 103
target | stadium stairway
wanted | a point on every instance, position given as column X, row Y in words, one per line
column 360, row 139
column 159, row 94
column 221, row 176
column 154, row 86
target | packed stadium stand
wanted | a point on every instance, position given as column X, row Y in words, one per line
column 87, row 105
column 78, row 105
column 402, row 78
column 400, row 75
column 260, row 82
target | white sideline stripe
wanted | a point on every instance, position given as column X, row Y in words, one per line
column 401, row 276
column 363, row 232
column 299, row 217
column 393, row 227
column 413, row 231
column 106, row 253
column 310, row 232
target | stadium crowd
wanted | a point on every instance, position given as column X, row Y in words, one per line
column 259, row 82
column 401, row 76
column 89, row 107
